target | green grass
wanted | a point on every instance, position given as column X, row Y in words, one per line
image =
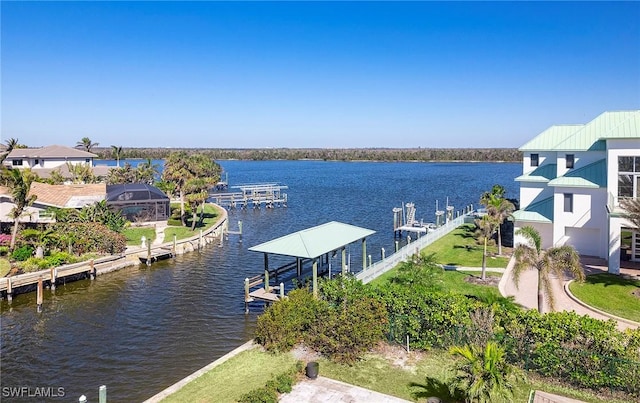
column 5, row 266
column 460, row 248
column 135, row 234
column 610, row 293
column 211, row 214
column 377, row 373
column 241, row 374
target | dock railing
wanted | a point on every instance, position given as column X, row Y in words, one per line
column 403, row 254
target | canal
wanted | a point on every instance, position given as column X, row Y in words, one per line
column 142, row 329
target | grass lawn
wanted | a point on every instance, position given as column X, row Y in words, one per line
column 211, row 214
column 459, row 248
column 431, row 371
column 610, row 293
column 5, row 266
column 135, row 234
column 228, row 381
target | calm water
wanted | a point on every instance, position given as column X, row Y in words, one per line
column 142, row 329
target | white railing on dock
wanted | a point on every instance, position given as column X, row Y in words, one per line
column 403, row 254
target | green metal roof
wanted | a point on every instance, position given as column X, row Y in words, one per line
column 543, row 173
column 541, row 211
column 593, row 175
column 588, row 137
column 314, row 242
column 550, row 138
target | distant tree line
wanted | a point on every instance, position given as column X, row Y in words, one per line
column 326, row 154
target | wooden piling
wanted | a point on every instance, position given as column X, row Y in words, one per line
column 281, row 290
column 53, row 279
column 102, row 394
column 92, row 271
column 174, row 245
column 148, row 253
column 9, row 289
column 39, row 295
column 266, row 280
column 200, row 241
column 246, row 295
column 240, row 230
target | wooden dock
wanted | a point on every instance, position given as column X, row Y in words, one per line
column 256, row 195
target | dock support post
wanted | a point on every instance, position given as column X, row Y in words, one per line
column 83, row 399
column 9, row 289
column 175, row 240
column 266, row 272
column 39, row 295
column 149, row 254
column 397, row 246
column 92, row 270
column 240, row 230
column 246, row 295
column 344, row 260
column 53, row 279
column 298, row 267
column 281, row 290
column 382, row 253
column 200, row 241
column 364, row 253
column 102, row 394
column 315, row 278
column 369, row 260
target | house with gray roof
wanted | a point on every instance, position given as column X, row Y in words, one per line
column 573, row 179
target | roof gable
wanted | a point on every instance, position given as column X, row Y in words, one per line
column 314, row 242
column 541, row 211
column 53, row 151
column 550, row 138
column 593, row 175
column 68, row 196
column 543, row 173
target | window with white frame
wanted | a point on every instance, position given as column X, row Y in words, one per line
column 16, row 163
column 628, row 177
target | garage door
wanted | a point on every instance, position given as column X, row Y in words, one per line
column 585, row 240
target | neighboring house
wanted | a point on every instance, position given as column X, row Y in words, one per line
column 55, row 157
column 60, row 196
column 573, row 177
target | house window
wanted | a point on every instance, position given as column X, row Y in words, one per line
column 570, row 159
column 628, row 177
column 16, row 163
column 36, row 162
column 568, row 203
column 534, row 160
column 87, row 160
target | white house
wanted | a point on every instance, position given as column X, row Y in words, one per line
column 573, row 177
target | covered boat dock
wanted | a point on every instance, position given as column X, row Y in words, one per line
column 312, row 244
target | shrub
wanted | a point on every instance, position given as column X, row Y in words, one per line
column 22, row 253
column 260, row 395
column 34, row 264
column 4, row 250
column 90, row 237
column 59, row 258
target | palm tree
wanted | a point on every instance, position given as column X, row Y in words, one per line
column 483, row 374
column 486, row 226
column 553, row 261
column 632, row 211
column 146, row 171
column 497, row 207
column 10, row 145
column 86, row 144
column 176, row 171
column 117, row 153
column 19, row 183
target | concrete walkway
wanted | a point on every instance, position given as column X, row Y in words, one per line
column 527, row 292
column 325, row 390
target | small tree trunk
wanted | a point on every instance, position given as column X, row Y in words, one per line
column 484, row 260
column 14, row 234
column 540, row 293
column 182, row 214
column 194, row 219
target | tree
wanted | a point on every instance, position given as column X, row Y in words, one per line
column 81, row 173
column 632, row 211
column 553, row 261
column 10, row 145
column 486, row 226
column 125, row 174
column 498, row 207
column 147, row 171
column 483, row 374
column 116, row 151
column 86, row 144
column 176, row 170
column 19, row 183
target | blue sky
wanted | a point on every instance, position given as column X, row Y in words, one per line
column 312, row 74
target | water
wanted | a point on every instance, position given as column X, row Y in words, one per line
column 142, row 329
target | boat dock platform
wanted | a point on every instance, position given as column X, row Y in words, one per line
column 156, row 254
column 268, row 194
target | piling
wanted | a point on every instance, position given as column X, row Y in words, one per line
column 39, row 296
column 246, row 295
column 382, row 253
column 175, row 240
column 149, row 254
column 83, row 399
column 92, row 270
column 266, row 280
column 53, row 279
column 102, row 393
column 281, row 290
column 240, row 230
column 9, row 289
column 200, row 241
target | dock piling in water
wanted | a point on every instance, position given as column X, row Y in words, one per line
column 102, row 394
column 39, row 295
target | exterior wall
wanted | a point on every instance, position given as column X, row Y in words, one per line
column 545, row 230
column 581, row 159
column 531, row 192
column 615, row 149
column 548, row 156
column 47, row 163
